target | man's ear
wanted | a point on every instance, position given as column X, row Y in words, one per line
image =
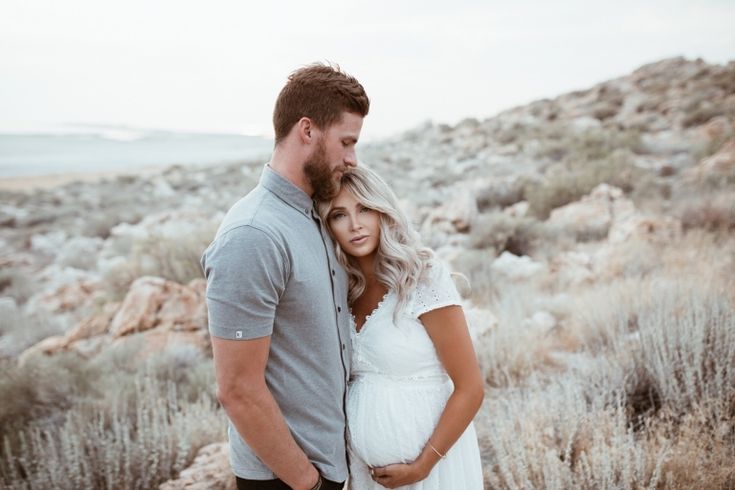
column 306, row 130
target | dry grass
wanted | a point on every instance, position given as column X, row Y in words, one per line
column 634, row 389
column 711, row 212
column 106, row 423
column 19, row 330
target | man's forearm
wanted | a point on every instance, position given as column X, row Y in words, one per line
column 260, row 422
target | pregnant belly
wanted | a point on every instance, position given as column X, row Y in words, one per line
column 390, row 420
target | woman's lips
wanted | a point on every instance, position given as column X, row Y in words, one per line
column 359, row 239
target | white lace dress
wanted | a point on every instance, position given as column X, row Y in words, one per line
column 398, row 390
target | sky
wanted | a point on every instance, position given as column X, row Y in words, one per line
column 217, row 66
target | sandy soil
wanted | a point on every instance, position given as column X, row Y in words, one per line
column 31, row 182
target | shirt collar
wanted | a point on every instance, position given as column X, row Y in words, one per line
column 286, row 191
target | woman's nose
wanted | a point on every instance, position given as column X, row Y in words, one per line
column 355, row 223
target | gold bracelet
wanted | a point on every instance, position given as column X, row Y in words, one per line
column 434, row 449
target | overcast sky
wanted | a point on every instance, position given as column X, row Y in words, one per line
column 218, row 65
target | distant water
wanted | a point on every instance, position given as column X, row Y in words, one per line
column 43, row 154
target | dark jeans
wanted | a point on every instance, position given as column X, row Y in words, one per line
column 279, row 485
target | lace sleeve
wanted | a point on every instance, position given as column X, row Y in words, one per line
column 436, row 290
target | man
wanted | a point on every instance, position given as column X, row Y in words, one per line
column 277, row 297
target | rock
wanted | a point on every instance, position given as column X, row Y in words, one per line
column 572, row 268
column 516, row 268
column 94, row 325
column 162, row 338
column 48, row 243
column 517, row 210
column 584, row 123
column 718, row 129
column 155, row 302
column 665, row 143
column 157, row 313
column 79, row 294
column 86, row 338
column 541, row 320
column 162, row 188
column 479, row 322
column 48, row 346
column 656, row 229
column 209, row 471
column 460, row 212
column 593, row 214
column 79, row 252
column 721, row 164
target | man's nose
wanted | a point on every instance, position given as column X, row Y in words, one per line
column 351, row 159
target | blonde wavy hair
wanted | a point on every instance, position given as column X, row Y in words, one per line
column 401, row 258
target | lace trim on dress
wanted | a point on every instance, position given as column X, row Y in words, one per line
column 369, row 315
column 436, row 291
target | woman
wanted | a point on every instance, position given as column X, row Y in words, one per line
column 415, row 385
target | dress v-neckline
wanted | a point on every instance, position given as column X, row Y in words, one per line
column 369, row 315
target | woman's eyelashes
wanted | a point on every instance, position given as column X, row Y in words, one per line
column 341, row 214
column 336, row 215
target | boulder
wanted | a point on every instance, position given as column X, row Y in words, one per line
column 721, row 164
column 593, row 214
column 155, row 302
column 79, row 252
column 653, row 229
column 48, row 346
column 479, row 322
column 572, row 268
column 541, row 321
column 459, row 212
column 516, row 268
column 209, row 471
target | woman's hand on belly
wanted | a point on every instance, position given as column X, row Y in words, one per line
column 398, row 475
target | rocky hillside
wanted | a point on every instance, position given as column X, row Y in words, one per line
column 556, row 198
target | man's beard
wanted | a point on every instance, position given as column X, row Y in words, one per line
column 320, row 175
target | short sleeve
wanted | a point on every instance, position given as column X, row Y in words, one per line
column 246, row 275
column 436, row 290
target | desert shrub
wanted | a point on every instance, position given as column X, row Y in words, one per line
column 701, row 113
column 40, row 390
column 569, row 183
column 19, row 330
column 97, row 450
column 475, row 266
column 16, row 283
column 500, row 194
column 686, row 345
column 575, row 147
column 523, row 342
column 585, row 159
column 715, row 213
column 569, row 434
column 168, row 252
column 108, row 423
column 501, row 232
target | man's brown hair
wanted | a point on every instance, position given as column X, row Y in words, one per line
column 321, row 93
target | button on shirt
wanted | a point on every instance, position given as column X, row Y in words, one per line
column 271, row 271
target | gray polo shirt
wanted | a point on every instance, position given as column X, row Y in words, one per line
column 271, row 270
